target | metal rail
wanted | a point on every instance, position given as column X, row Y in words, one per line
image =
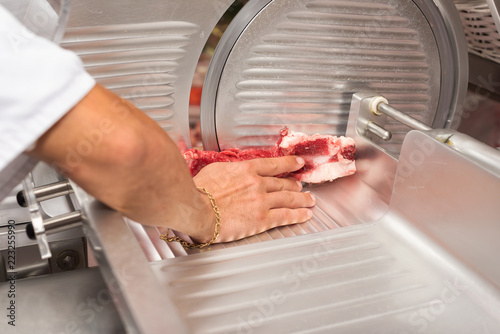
column 402, row 117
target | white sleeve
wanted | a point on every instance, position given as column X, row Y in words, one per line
column 39, row 83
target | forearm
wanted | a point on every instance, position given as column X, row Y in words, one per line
column 123, row 158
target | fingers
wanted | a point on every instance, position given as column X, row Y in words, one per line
column 276, row 166
column 290, row 199
column 273, row 184
column 283, row 216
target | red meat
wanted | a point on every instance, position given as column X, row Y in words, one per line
column 327, row 157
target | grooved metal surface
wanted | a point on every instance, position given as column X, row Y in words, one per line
column 353, row 280
column 156, row 249
column 136, row 61
column 297, row 65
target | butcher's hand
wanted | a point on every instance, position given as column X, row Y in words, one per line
column 251, row 199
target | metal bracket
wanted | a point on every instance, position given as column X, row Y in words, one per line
column 368, row 115
column 36, row 218
column 38, row 228
column 364, row 119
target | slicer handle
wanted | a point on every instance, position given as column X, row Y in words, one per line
column 46, row 192
column 57, row 224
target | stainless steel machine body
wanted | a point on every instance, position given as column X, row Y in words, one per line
column 405, row 245
column 302, row 70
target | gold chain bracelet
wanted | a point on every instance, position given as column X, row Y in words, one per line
column 189, row 245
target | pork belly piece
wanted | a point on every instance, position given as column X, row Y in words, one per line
column 327, row 157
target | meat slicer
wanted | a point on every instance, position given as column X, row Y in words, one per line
column 408, row 244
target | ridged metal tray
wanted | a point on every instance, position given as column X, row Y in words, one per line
column 297, row 64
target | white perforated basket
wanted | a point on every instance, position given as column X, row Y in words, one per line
column 481, row 33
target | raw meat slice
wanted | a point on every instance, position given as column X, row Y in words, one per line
column 327, row 157
column 197, row 159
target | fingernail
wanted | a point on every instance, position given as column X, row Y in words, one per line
column 300, row 161
column 309, row 213
column 312, row 196
column 299, row 184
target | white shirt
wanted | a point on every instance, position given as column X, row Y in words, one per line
column 39, row 83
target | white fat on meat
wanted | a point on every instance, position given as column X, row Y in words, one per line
column 320, row 167
column 327, row 171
